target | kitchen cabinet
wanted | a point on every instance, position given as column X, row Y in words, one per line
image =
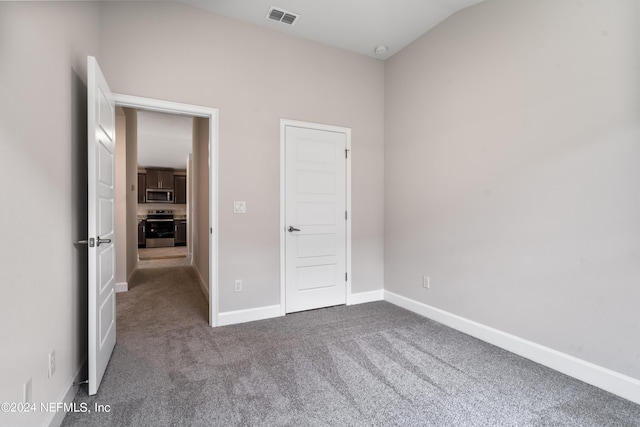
column 180, row 232
column 160, row 178
column 180, row 189
column 142, row 233
column 142, row 188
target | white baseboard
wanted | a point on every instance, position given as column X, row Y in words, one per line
column 364, row 297
column 55, row 418
column 122, row 287
column 132, row 275
column 268, row 312
column 249, row 315
column 203, row 283
column 606, row 379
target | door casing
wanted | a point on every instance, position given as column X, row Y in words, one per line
column 212, row 114
column 283, row 232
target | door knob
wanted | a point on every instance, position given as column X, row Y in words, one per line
column 292, row 229
column 91, row 242
column 99, row 240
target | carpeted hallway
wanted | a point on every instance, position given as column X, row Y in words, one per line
column 370, row 364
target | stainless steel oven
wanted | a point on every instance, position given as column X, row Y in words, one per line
column 160, row 229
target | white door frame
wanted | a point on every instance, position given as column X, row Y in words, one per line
column 212, row 114
column 283, row 232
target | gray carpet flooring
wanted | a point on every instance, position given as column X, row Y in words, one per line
column 162, row 253
column 367, row 365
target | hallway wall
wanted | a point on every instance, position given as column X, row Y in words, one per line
column 121, row 194
column 131, row 116
column 200, row 200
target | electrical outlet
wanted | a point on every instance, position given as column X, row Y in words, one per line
column 238, row 287
column 52, row 363
column 27, row 393
column 426, row 282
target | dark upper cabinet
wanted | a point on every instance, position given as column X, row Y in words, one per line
column 142, row 188
column 160, row 178
column 180, row 189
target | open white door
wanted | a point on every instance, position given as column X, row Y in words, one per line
column 315, row 217
column 101, row 179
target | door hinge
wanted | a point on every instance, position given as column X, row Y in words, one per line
column 346, row 277
column 211, row 230
column 345, row 215
column 346, row 153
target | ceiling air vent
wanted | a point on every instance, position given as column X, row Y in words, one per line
column 282, row 15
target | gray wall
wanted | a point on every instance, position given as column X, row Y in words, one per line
column 200, row 218
column 255, row 77
column 43, row 168
column 121, row 194
column 511, row 173
column 131, row 116
column 511, row 165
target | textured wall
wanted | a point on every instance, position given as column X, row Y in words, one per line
column 121, row 194
column 131, row 116
column 43, row 165
column 511, row 173
column 200, row 219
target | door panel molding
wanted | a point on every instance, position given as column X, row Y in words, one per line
column 284, row 123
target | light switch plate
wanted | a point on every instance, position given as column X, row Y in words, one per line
column 239, row 207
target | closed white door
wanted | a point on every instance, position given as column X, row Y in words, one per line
column 315, row 218
column 101, row 157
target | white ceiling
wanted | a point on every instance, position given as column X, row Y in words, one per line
column 354, row 25
column 164, row 140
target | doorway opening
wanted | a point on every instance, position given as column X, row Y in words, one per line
column 165, row 147
column 183, row 187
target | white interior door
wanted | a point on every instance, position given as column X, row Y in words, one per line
column 315, row 218
column 101, row 178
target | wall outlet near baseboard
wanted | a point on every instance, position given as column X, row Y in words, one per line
column 426, row 282
column 238, row 285
column 52, row 363
column 27, row 392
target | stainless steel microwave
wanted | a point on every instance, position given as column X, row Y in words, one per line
column 159, row 195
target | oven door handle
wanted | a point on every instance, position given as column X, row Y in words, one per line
column 164, row 234
column 158, row 220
